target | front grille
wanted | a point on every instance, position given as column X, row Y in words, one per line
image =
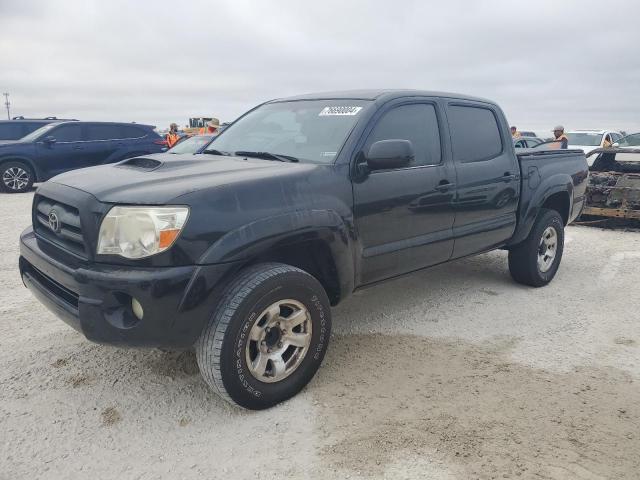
column 60, row 224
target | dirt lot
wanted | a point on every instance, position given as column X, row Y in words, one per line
column 456, row 372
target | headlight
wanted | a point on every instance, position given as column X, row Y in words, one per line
column 138, row 232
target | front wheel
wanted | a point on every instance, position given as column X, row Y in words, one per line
column 267, row 337
column 535, row 261
column 16, row 177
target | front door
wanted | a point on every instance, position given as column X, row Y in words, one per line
column 404, row 216
column 65, row 153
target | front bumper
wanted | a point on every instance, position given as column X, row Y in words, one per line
column 95, row 299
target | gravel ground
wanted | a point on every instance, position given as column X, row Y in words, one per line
column 455, row 372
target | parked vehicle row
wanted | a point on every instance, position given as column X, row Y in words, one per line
column 241, row 251
column 58, row 147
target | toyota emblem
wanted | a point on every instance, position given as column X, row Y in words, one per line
column 54, row 221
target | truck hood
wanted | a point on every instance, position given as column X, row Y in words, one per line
column 161, row 178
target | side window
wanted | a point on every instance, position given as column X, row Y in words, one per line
column 474, row 133
column 97, row 131
column 616, row 137
column 132, row 132
column 12, row 131
column 417, row 123
column 67, row 133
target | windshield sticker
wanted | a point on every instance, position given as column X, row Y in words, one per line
column 328, row 154
column 339, row 111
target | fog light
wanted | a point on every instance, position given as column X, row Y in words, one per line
column 137, row 308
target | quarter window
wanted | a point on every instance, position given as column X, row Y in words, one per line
column 474, row 133
column 417, row 123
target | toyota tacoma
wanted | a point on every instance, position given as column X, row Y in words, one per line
column 241, row 252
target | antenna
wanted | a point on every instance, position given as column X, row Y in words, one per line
column 7, row 104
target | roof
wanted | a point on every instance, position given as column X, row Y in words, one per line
column 586, row 130
column 375, row 94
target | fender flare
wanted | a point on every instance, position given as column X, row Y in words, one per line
column 255, row 238
column 560, row 183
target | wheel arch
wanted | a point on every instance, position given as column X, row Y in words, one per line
column 316, row 241
column 36, row 172
column 555, row 193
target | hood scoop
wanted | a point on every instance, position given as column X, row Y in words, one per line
column 140, row 163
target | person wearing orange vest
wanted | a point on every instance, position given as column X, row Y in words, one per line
column 172, row 137
column 212, row 128
column 515, row 133
column 560, row 137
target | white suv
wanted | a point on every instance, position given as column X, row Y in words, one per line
column 588, row 140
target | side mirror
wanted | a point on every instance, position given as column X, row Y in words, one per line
column 50, row 140
column 390, row 154
column 615, row 145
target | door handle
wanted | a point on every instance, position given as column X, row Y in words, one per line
column 444, row 185
column 508, row 176
column 77, row 147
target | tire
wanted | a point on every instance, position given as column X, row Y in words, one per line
column 16, row 177
column 244, row 352
column 531, row 262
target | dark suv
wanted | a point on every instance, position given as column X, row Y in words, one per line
column 19, row 127
column 62, row 146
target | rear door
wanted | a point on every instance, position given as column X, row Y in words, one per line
column 404, row 216
column 488, row 177
column 102, row 142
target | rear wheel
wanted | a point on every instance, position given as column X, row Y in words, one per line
column 535, row 261
column 16, row 177
column 267, row 337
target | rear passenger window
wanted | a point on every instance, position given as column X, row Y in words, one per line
column 474, row 133
column 67, row 133
column 417, row 123
column 132, row 132
column 104, row 132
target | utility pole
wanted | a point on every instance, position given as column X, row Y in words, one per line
column 7, row 104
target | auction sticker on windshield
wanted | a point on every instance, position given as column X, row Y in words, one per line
column 326, row 111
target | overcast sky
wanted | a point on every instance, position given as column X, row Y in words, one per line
column 570, row 62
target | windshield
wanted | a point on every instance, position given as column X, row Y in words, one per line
column 191, row 145
column 37, row 133
column 309, row 130
column 587, row 139
column 632, row 140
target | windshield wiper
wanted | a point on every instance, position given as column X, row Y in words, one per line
column 216, row 152
column 267, row 156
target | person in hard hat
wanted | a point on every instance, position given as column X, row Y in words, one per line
column 212, row 128
column 560, row 137
column 515, row 133
column 172, row 137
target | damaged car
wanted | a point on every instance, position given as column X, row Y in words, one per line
column 614, row 183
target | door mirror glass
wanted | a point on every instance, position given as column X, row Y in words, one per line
column 386, row 154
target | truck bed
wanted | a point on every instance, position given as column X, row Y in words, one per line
column 543, row 174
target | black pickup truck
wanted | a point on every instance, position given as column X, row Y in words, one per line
column 240, row 252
